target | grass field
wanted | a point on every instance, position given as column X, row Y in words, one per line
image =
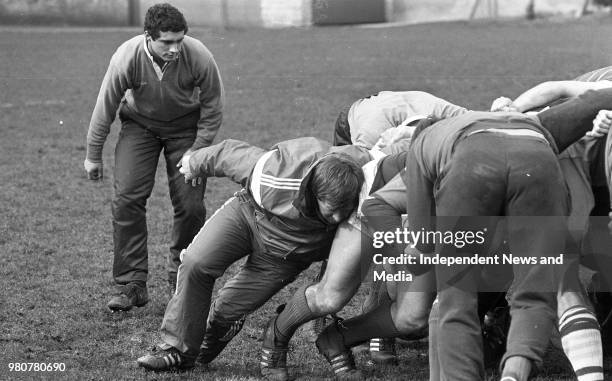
column 55, row 231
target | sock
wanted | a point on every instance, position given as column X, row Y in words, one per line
column 295, row 314
column 581, row 342
column 376, row 323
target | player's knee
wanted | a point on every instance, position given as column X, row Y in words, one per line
column 410, row 324
column 195, row 266
column 567, row 300
column 328, row 301
column 409, row 327
column 128, row 206
column 189, row 202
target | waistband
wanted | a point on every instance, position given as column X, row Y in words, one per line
column 513, row 132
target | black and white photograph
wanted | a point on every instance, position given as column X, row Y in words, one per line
column 306, row 190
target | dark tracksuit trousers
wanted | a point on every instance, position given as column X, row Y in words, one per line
column 493, row 174
column 225, row 238
column 136, row 157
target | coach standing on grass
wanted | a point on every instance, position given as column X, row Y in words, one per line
column 169, row 93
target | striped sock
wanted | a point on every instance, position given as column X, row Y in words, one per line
column 581, row 342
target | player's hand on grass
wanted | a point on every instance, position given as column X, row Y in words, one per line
column 185, row 169
column 94, row 170
column 503, row 104
column 601, row 124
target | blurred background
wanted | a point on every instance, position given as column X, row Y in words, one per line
column 283, row 13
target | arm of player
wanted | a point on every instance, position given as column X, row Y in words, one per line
column 547, row 92
column 114, row 85
column 443, row 109
column 570, row 121
column 212, row 97
column 233, row 159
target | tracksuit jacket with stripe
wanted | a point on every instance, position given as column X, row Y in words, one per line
column 278, row 183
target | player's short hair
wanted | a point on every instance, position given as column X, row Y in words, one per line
column 337, row 180
column 164, row 18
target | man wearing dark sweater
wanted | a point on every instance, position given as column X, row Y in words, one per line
column 169, row 94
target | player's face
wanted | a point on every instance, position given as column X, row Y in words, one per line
column 168, row 45
column 330, row 214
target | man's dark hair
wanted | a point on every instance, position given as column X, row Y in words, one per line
column 337, row 180
column 164, row 18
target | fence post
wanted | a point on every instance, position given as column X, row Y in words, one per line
column 474, row 8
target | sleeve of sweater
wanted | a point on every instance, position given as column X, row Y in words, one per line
column 114, row 85
column 233, row 159
column 212, row 97
column 443, row 109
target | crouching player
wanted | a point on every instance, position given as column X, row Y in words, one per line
column 585, row 170
column 285, row 218
column 486, row 165
column 378, row 122
column 335, row 289
column 349, row 260
column 386, row 117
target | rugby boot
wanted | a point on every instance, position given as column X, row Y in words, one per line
column 331, row 345
column 127, row 296
column 382, row 351
column 494, row 335
column 216, row 338
column 171, row 283
column 273, row 364
column 165, row 360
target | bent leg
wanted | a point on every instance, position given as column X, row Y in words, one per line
column 261, row 277
column 225, row 238
column 536, row 228
column 406, row 316
column 339, row 283
column 578, row 327
column 410, row 311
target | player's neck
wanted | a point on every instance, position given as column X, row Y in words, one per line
column 157, row 59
